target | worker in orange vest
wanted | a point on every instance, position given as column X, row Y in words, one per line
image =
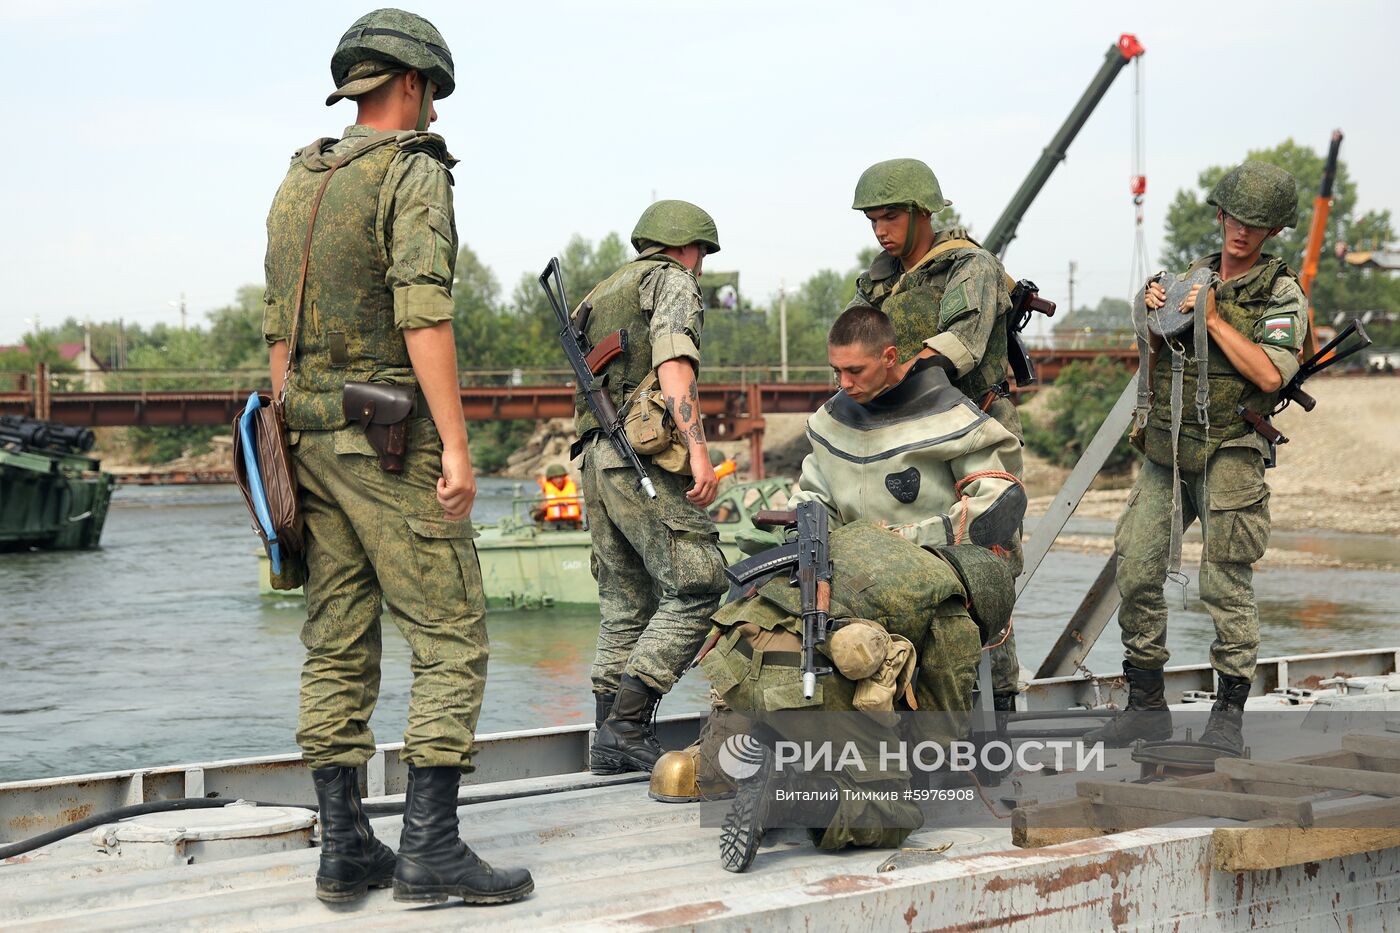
column 560, row 508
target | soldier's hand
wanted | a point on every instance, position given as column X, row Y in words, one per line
column 456, row 488
column 706, row 484
column 1189, row 302
column 1156, row 295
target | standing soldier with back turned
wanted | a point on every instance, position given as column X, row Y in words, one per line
column 657, row 561
column 946, row 297
column 361, row 247
column 1255, row 322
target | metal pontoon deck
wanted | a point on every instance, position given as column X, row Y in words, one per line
column 604, row 856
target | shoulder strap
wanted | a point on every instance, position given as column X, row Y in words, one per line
column 371, row 142
column 940, row 249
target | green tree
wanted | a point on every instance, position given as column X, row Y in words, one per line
column 1081, row 399
column 235, row 339
column 1192, row 232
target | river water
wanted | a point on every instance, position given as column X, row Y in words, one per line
column 158, row 649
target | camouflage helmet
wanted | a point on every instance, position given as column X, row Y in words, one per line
column 674, row 223
column 555, row 469
column 1258, row 194
column 899, row 182
column 384, row 43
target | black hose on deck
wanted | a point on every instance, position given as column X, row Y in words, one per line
column 123, row 813
column 211, row 803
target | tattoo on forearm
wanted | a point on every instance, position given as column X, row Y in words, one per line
column 685, row 412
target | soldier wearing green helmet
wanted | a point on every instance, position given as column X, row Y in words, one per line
column 360, row 255
column 1206, row 461
column 657, row 561
column 947, row 298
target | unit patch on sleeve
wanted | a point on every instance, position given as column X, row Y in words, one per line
column 1279, row 330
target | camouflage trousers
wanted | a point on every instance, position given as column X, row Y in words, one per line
column 862, row 818
column 1236, row 531
column 1006, row 667
column 372, row 539
column 948, row 659
column 659, row 569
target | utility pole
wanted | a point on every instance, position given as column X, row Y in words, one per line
column 1073, row 267
column 183, row 325
column 782, row 331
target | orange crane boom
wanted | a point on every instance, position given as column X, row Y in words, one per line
column 1322, row 206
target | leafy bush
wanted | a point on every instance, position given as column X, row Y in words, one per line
column 492, row 442
column 1083, row 395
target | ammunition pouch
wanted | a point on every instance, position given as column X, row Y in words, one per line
column 383, row 411
column 652, row 431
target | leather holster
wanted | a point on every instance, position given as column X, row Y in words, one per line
column 383, row 411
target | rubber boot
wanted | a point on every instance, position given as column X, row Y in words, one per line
column 756, row 809
column 1225, row 729
column 627, row 738
column 434, row 862
column 1146, row 716
column 352, row 860
column 603, row 704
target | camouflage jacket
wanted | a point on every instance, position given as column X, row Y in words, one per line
column 657, row 300
column 1265, row 304
column 955, row 305
column 381, row 261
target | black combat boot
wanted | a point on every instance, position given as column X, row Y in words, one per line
column 434, row 862
column 808, row 801
column 1226, row 726
column 1146, row 716
column 603, row 704
column 627, row 739
column 352, row 860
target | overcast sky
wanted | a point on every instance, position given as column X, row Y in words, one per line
column 145, row 139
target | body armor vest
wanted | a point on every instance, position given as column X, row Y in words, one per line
column 347, row 330
column 617, row 305
column 913, row 302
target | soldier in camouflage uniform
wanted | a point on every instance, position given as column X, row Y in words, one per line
column 657, row 562
column 1256, row 321
column 754, row 666
column 946, row 296
column 359, row 290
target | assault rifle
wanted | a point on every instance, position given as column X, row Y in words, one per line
column 587, row 361
column 1292, row 392
column 814, row 588
column 1025, row 299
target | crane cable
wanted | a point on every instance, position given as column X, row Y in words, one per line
column 1137, row 272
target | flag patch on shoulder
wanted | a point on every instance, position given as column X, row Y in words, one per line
column 1279, row 330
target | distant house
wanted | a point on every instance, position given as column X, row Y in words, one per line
column 93, row 371
column 1385, row 259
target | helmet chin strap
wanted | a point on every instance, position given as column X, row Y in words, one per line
column 910, row 241
column 425, row 107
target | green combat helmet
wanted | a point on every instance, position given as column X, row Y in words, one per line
column 673, row 223
column 386, row 43
column 906, row 183
column 1258, row 194
column 555, row 469
column 899, row 183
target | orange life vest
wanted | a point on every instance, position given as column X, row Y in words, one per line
column 561, row 505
